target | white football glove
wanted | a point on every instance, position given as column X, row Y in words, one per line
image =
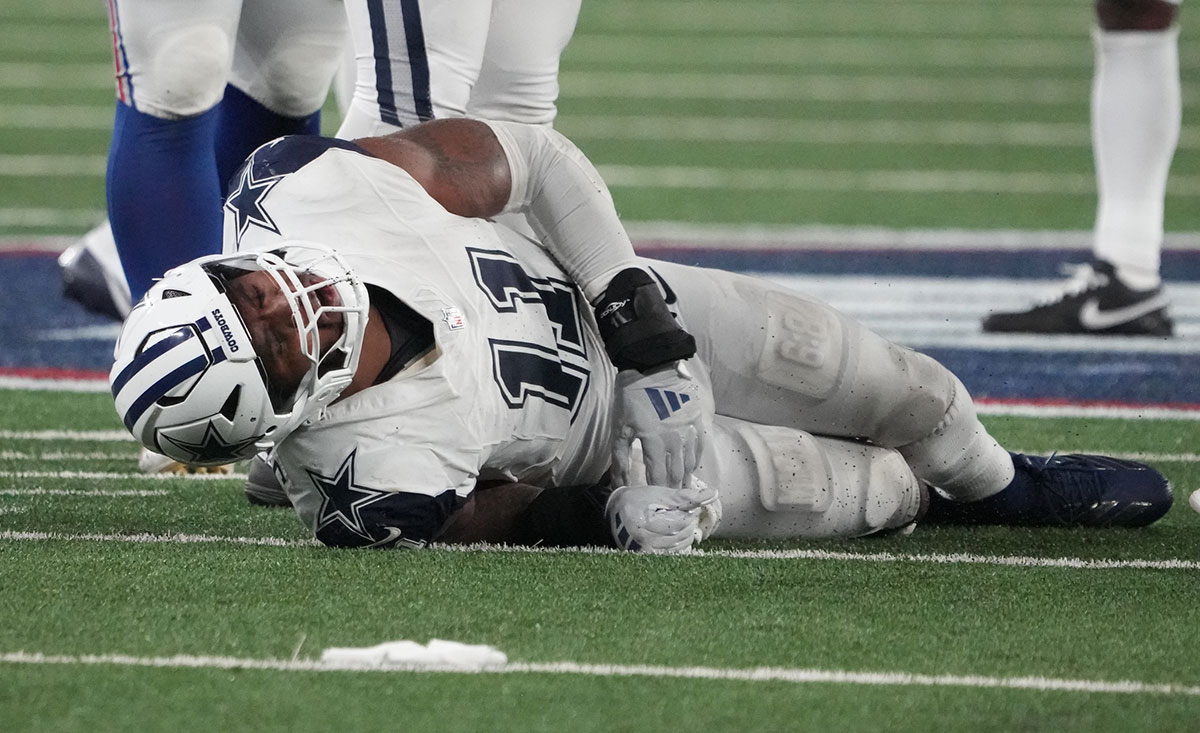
column 671, row 413
column 659, row 520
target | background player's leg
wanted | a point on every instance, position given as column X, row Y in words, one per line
column 415, row 61
column 518, row 80
column 163, row 194
column 285, row 57
column 1136, row 117
column 1135, row 109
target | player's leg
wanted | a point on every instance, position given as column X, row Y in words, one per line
column 172, row 59
column 776, row 357
column 518, row 80
column 285, row 57
column 777, row 482
column 416, row 60
column 1136, row 119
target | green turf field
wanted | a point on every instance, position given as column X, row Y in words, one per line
column 131, row 603
column 947, row 629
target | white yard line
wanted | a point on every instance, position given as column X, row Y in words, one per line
column 864, row 181
column 685, row 235
column 19, row 455
column 731, row 129
column 64, row 166
column 756, row 674
column 1018, row 561
column 133, row 476
column 797, row 87
column 40, row 384
column 153, row 539
column 85, row 493
column 44, row 217
column 68, row 435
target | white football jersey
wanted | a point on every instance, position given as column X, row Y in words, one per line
column 520, row 388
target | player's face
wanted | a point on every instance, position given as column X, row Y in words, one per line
column 268, row 317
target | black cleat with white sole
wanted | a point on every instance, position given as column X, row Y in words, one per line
column 1095, row 301
column 1066, row 491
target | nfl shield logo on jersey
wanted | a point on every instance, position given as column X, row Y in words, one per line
column 454, row 318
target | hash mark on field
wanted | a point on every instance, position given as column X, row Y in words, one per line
column 757, row 674
column 1019, row 561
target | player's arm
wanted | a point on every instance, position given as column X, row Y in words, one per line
column 481, row 169
column 520, row 514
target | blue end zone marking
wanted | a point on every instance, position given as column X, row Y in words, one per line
column 1131, row 378
column 39, row 329
column 155, row 391
column 143, row 359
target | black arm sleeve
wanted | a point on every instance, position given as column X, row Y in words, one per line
column 568, row 516
column 638, row 329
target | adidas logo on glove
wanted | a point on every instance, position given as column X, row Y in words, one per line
column 666, row 402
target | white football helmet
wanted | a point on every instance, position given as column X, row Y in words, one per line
column 187, row 380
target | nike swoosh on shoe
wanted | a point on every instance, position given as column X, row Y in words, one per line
column 1094, row 319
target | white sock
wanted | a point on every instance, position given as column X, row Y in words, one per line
column 1136, row 117
column 960, row 457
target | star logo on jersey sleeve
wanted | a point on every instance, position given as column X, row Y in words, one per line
column 246, row 202
column 212, row 446
column 343, row 500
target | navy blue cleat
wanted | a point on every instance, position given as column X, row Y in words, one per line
column 1066, row 491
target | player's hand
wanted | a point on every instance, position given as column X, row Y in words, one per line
column 670, row 412
column 659, row 520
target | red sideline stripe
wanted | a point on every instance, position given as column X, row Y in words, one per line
column 1099, row 404
column 116, row 43
column 53, row 373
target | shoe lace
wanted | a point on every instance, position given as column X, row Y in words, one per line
column 1081, row 277
column 1069, row 480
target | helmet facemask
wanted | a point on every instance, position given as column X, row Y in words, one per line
column 319, row 287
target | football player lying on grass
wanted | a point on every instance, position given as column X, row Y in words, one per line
column 394, row 349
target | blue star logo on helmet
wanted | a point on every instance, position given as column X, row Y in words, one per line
column 212, row 447
column 246, row 202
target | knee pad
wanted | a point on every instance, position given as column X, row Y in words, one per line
column 186, row 73
column 780, row 482
column 294, row 77
column 805, row 350
column 857, row 382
